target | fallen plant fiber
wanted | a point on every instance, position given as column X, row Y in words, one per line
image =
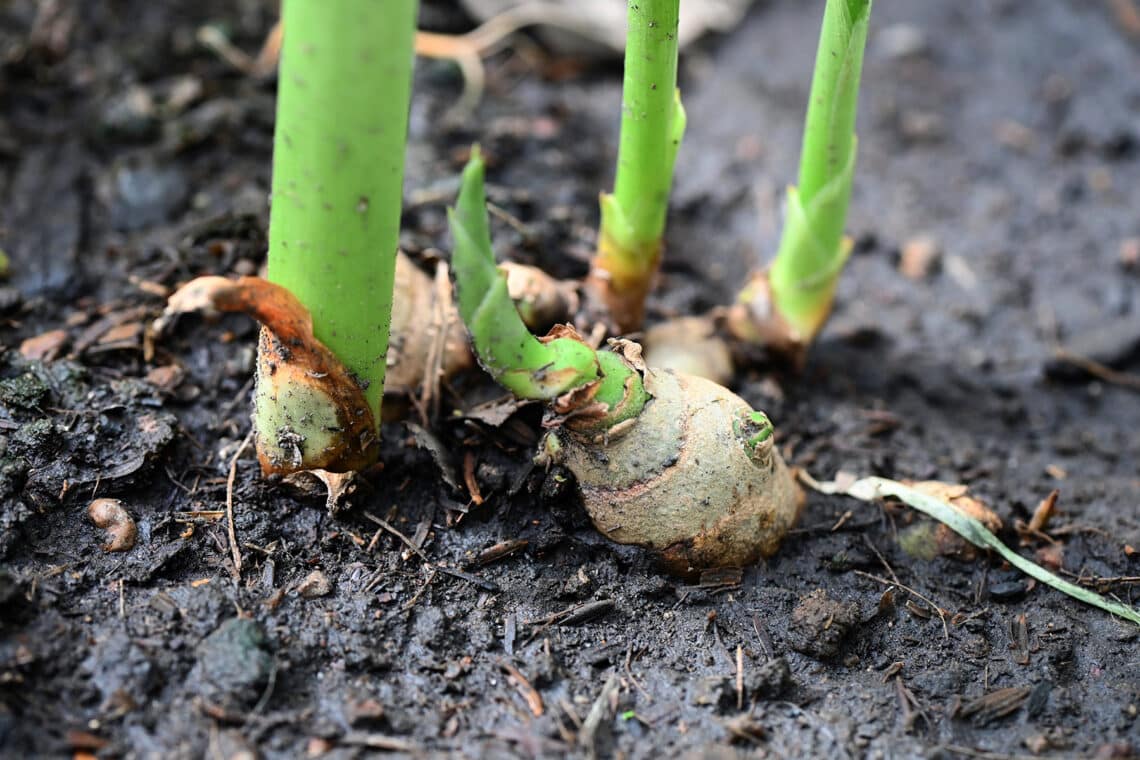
column 969, row 528
column 670, row 462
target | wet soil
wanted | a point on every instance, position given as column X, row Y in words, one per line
column 1003, row 133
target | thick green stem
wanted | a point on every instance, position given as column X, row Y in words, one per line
column 652, row 125
column 338, row 165
column 520, row 362
column 812, row 250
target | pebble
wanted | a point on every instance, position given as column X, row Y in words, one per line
column 715, row 691
column 769, row 679
column 315, row 584
column 921, row 126
column 1007, row 591
column 1015, row 135
column 10, row 299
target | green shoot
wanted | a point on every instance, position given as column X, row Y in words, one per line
column 694, row 475
column 523, row 364
column 652, row 125
column 338, row 165
column 813, row 251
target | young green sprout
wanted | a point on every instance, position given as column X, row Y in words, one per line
column 787, row 306
column 666, row 461
column 652, row 124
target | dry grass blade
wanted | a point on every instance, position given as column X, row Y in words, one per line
column 874, row 489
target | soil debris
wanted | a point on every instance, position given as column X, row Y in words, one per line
column 315, row 584
column 819, row 625
column 919, row 258
column 235, row 665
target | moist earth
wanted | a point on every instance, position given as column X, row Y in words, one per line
column 459, row 601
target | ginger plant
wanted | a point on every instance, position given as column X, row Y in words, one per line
column 630, row 239
column 671, row 462
column 786, row 306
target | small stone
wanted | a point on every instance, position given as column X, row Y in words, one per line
column 919, row 258
column 245, row 267
column 1007, row 591
column 130, row 115
column 10, row 299
column 1015, row 135
column 315, row 584
column 145, row 195
column 715, row 691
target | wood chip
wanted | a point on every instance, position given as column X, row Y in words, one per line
column 997, row 704
column 1043, row 512
column 919, row 258
column 44, row 347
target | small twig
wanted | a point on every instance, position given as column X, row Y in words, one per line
column 470, row 480
column 378, row 741
column 895, row 582
column 739, row 677
column 629, row 672
column 882, row 559
column 432, row 572
column 588, row 735
column 1098, row 370
column 529, row 693
column 235, row 550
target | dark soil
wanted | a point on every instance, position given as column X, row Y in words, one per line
column 131, row 159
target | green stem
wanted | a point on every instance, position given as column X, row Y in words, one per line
column 652, row 125
column 812, row 250
column 652, row 119
column 520, row 362
column 338, row 164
